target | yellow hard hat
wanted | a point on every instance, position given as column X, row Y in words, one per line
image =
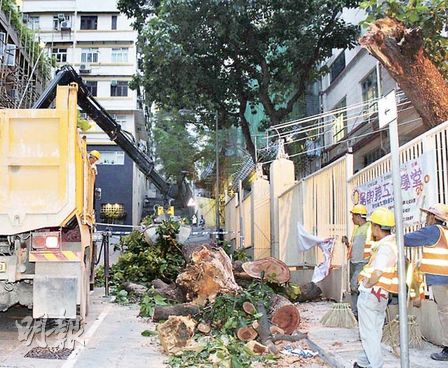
column 359, row 209
column 95, row 154
column 439, row 210
column 383, row 217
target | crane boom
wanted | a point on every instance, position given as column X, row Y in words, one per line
column 106, row 122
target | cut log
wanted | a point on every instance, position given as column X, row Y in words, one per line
column 256, row 347
column 264, row 328
column 308, row 292
column 204, row 328
column 269, row 268
column 246, row 333
column 163, row 312
column 169, row 291
column 176, row 333
column 275, row 330
column 249, row 308
column 209, row 274
column 134, row 288
column 401, row 51
column 284, row 314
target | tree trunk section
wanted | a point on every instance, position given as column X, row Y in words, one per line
column 284, row 314
column 163, row 312
column 400, row 51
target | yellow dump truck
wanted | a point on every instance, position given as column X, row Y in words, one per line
column 46, row 210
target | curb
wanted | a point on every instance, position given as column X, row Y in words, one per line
column 328, row 357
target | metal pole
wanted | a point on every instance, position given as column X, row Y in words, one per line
column 218, row 225
column 240, row 211
column 106, row 262
column 402, row 300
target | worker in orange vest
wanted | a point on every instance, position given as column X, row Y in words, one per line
column 434, row 263
column 358, row 252
column 377, row 279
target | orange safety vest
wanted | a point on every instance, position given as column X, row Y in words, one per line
column 389, row 278
column 435, row 257
column 368, row 245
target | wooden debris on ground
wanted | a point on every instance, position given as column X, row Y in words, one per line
column 284, row 314
column 176, row 333
column 209, row 274
column 269, row 268
column 163, row 312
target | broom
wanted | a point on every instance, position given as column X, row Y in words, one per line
column 340, row 315
column 391, row 333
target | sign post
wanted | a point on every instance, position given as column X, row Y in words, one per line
column 387, row 114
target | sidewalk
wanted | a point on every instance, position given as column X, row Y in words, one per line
column 341, row 346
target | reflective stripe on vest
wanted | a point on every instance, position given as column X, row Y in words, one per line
column 435, row 257
column 389, row 278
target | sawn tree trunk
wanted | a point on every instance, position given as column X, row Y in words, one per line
column 400, row 51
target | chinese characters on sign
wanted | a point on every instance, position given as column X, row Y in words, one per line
column 65, row 332
column 416, row 183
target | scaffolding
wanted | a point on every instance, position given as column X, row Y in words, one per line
column 24, row 70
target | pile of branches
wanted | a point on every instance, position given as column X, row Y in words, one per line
column 142, row 262
column 216, row 310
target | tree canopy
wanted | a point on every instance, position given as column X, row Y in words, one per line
column 179, row 147
column 228, row 56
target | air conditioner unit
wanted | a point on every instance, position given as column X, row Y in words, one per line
column 66, row 24
column 61, row 16
column 113, row 83
column 84, row 69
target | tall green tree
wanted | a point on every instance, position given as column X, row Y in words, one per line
column 409, row 39
column 180, row 148
column 226, row 56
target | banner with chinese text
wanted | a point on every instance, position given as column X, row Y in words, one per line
column 418, row 188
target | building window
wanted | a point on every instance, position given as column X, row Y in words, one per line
column 120, row 55
column 337, row 67
column 33, row 22
column 61, row 22
column 89, row 22
column 121, row 119
column 119, row 88
column 10, row 54
column 60, row 55
column 369, row 87
column 111, row 158
column 89, row 55
column 339, row 123
column 92, row 87
column 114, row 22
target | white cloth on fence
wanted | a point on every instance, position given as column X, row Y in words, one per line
column 323, row 269
column 306, row 241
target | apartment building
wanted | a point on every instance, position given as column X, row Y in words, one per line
column 100, row 44
column 350, row 93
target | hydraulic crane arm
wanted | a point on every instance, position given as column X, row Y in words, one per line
column 96, row 112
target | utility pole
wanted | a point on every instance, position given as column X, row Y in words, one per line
column 387, row 112
column 218, row 225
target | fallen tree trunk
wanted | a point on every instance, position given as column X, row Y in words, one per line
column 134, row 288
column 264, row 330
column 189, row 249
column 209, row 274
column 169, row 291
column 269, row 268
column 284, row 314
column 308, row 292
column 163, row 312
column 400, row 51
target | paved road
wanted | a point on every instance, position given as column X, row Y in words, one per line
column 111, row 338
